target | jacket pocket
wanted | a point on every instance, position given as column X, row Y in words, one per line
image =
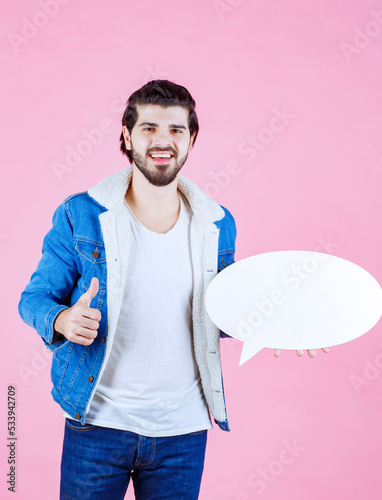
column 90, row 250
column 91, row 259
column 225, row 258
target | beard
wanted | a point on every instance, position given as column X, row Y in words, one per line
column 160, row 175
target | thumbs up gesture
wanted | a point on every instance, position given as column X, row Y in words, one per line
column 80, row 322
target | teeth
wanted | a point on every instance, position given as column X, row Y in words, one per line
column 165, row 155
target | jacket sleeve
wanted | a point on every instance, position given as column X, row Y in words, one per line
column 231, row 221
column 46, row 294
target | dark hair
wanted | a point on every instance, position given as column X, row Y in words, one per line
column 164, row 93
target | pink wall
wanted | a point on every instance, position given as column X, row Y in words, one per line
column 315, row 177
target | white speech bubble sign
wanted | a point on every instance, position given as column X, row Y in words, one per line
column 293, row 299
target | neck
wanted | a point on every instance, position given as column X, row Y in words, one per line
column 147, row 200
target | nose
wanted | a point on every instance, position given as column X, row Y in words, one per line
column 162, row 139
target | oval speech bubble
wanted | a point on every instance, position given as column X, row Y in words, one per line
column 293, row 299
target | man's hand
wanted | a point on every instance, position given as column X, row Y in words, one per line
column 80, row 322
column 311, row 352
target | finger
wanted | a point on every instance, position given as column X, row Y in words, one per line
column 77, row 329
column 81, row 339
column 87, row 333
column 277, row 352
column 83, row 311
column 82, row 336
column 325, row 349
column 299, row 352
column 90, row 293
column 311, row 353
column 90, row 324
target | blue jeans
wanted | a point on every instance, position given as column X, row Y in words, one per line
column 97, row 463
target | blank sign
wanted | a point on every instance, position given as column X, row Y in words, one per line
column 293, row 299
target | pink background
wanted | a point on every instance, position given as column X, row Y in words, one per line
column 318, row 179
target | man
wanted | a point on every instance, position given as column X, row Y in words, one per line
column 118, row 296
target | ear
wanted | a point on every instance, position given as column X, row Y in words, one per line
column 127, row 138
column 192, row 141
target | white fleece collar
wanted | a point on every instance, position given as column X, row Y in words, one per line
column 110, row 193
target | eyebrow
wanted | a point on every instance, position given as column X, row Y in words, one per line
column 150, row 124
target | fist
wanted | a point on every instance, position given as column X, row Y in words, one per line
column 80, row 323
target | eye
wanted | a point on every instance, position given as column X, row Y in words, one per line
column 149, row 128
column 177, row 130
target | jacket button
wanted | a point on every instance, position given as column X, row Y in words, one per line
column 95, row 253
column 103, row 340
column 91, row 378
column 78, row 416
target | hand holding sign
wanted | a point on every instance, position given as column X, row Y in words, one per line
column 300, row 352
column 293, row 300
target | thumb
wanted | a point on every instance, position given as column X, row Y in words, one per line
column 91, row 292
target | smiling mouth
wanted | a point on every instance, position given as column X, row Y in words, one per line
column 161, row 157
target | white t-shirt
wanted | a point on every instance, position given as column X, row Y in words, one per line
column 151, row 383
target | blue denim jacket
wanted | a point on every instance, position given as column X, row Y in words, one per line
column 89, row 237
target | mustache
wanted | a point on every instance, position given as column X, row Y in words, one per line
column 162, row 150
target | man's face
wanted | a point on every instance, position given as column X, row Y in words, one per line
column 159, row 142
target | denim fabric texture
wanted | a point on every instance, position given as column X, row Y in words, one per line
column 97, row 463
